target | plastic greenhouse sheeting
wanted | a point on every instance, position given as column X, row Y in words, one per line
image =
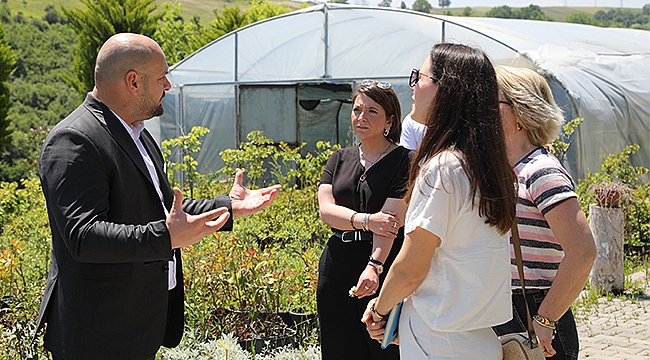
column 293, row 60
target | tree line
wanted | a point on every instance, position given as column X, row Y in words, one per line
column 46, row 64
column 622, row 18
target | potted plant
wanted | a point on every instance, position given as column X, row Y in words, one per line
column 610, row 194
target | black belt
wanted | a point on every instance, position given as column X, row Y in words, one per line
column 354, row 235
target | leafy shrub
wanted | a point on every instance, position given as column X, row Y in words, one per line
column 24, row 254
column 268, row 263
column 617, row 169
column 188, row 145
column 561, row 144
column 264, row 162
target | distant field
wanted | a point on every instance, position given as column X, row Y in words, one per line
column 203, row 8
column 557, row 13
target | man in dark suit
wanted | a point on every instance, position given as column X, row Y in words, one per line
column 115, row 286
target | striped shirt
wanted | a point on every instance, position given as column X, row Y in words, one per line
column 542, row 185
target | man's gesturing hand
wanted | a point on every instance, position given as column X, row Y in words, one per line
column 186, row 229
column 245, row 202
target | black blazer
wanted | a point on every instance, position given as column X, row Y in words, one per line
column 107, row 291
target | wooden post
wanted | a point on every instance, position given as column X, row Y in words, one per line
column 607, row 226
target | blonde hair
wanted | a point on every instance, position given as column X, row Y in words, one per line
column 532, row 102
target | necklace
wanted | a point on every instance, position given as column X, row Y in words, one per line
column 363, row 176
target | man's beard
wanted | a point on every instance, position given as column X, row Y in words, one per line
column 158, row 110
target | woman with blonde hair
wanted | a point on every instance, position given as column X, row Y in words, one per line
column 557, row 245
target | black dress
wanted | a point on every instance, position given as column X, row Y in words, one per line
column 343, row 335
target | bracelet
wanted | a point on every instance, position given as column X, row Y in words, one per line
column 544, row 321
column 378, row 265
column 364, row 222
column 352, row 220
column 375, row 313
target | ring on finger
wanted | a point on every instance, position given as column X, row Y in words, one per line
column 366, row 287
column 394, row 224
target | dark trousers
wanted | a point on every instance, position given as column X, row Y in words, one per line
column 565, row 342
column 343, row 336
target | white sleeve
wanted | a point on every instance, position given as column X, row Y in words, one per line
column 438, row 196
column 412, row 133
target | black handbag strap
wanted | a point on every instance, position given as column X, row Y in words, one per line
column 520, row 267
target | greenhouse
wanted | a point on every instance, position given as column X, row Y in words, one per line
column 292, row 76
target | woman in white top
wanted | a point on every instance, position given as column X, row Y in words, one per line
column 454, row 265
column 412, row 133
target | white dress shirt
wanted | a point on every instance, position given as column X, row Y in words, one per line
column 135, row 135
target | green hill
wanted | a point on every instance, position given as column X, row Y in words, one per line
column 557, row 13
column 203, row 8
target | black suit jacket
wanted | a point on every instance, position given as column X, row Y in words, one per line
column 107, row 292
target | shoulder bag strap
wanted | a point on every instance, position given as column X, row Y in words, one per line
column 520, row 267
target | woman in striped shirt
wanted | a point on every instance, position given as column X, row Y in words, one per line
column 556, row 242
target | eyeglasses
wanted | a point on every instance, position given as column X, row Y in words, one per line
column 415, row 77
column 384, row 85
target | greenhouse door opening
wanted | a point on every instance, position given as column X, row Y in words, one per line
column 297, row 113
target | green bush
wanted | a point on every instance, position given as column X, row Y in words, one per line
column 268, row 263
column 617, row 169
column 24, row 259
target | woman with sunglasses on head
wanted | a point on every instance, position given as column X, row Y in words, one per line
column 454, row 266
column 360, row 198
column 556, row 243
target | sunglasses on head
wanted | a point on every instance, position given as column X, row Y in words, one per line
column 384, row 85
column 415, row 77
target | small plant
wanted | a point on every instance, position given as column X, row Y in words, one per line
column 251, row 157
column 561, row 144
column 637, row 272
column 268, row 262
column 24, row 253
column 610, row 194
column 288, row 166
column 188, row 145
column 589, row 300
column 617, row 171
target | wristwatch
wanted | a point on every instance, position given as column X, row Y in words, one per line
column 378, row 265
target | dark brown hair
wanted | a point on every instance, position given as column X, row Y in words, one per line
column 464, row 116
column 388, row 100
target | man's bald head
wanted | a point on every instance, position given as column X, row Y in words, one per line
column 122, row 53
column 131, row 77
